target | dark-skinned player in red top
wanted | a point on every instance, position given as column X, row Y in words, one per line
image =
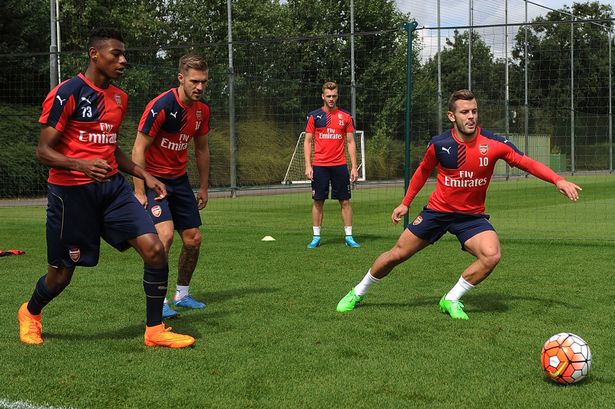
column 465, row 157
column 87, row 196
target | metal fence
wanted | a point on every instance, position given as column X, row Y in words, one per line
column 550, row 75
column 275, row 85
column 547, row 80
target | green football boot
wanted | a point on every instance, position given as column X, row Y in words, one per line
column 453, row 308
column 349, row 302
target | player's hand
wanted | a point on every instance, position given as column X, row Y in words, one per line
column 202, row 197
column 97, row 169
column 142, row 198
column 309, row 172
column 354, row 175
column 157, row 186
column 568, row 189
column 399, row 212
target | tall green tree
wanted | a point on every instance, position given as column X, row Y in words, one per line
column 324, row 55
column 22, row 33
column 549, row 72
column 487, row 74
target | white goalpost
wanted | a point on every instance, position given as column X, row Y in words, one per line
column 296, row 168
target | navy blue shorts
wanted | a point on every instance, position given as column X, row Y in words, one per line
column 431, row 225
column 180, row 205
column 338, row 176
column 78, row 216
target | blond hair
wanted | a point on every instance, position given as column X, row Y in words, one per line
column 329, row 85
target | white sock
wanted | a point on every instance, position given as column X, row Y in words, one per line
column 348, row 230
column 367, row 282
column 181, row 291
column 316, row 230
column 458, row 290
column 165, row 301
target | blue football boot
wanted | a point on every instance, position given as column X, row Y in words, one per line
column 189, row 302
column 314, row 243
column 350, row 242
column 168, row 312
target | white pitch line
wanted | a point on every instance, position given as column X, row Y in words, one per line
column 9, row 404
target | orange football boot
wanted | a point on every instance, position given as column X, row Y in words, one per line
column 159, row 336
column 30, row 326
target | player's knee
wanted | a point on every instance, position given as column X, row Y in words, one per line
column 398, row 255
column 166, row 238
column 491, row 258
column 193, row 241
column 155, row 255
column 59, row 279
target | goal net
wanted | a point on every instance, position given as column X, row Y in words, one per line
column 296, row 168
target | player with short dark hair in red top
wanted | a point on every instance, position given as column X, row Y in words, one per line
column 87, row 197
column 465, row 157
column 328, row 128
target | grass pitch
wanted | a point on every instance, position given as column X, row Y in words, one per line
column 270, row 336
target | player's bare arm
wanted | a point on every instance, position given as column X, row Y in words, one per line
column 96, row 169
column 142, row 143
column 202, row 163
column 126, row 165
column 568, row 189
column 352, row 152
column 307, row 154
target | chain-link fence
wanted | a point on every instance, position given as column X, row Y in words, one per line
column 276, row 83
column 547, row 77
column 545, row 84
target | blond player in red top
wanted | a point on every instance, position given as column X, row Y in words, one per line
column 465, row 157
column 327, row 128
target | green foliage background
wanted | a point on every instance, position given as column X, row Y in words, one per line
column 283, row 52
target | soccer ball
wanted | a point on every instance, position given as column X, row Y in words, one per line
column 566, row 358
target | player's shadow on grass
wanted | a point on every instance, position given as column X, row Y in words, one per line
column 193, row 322
column 360, row 238
column 215, row 297
column 478, row 303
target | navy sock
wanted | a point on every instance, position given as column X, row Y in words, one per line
column 155, row 281
column 41, row 296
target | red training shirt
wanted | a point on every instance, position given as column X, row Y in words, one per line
column 465, row 170
column 329, row 129
column 172, row 125
column 89, row 119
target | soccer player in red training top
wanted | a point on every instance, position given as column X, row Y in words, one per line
column 167, row 125
column 465, row 157
column 87, row 197
column 328, row 127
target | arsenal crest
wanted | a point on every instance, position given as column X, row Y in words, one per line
column 118, row 99
column 418, row 220
column 156, row 211
column 75, row 254
column 483, row 149
column 198, row 115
